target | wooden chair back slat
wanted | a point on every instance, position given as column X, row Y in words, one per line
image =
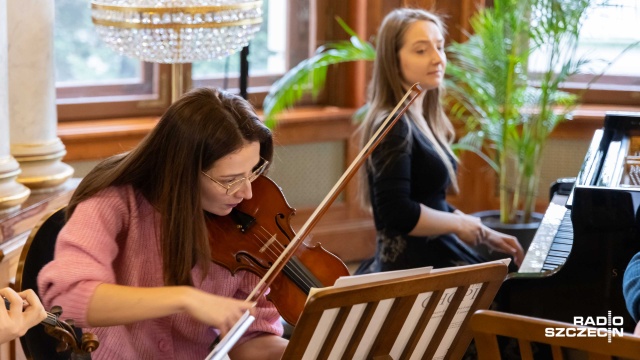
column 525, row 350
column 486, row 325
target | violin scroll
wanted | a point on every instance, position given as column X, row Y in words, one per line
column 65, row 333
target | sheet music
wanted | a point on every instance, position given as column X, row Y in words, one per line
column 221, row 350
column 388, row 275
column 456, row 321
column 328, row 317
column 380, row 314
column 453, row 328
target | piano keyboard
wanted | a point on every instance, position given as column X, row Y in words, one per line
column 552, row 243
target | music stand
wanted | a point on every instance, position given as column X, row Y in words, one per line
column 421, row 316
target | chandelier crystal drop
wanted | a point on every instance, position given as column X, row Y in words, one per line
column 178, row 31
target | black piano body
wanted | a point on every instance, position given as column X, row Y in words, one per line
column 604, row 210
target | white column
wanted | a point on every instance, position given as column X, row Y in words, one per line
column 32, row 95
column 12, row 193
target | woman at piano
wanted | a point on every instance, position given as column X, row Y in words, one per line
column 409, row 173
column 132, row 264
column 23, row 310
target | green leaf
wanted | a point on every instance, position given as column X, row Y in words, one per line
column 309, row 76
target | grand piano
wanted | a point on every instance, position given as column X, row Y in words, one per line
column 589, row 233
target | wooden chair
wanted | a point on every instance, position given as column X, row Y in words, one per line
column 486, row 325
column 36, row 253
column 38, row 250
column 422, row 315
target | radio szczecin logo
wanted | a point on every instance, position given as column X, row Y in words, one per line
column 602, row 326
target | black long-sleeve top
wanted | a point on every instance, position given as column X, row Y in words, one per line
column 408, row 173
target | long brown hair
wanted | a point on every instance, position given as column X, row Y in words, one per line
column 386, row 89
column 203, row 126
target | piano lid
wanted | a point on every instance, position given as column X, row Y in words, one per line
column 613, row 158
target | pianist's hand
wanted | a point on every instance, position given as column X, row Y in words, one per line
column 504, row 243
column 472, row 232
column 636, row 332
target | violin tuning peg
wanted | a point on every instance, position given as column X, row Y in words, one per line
column 56, row 310
column 89, row 342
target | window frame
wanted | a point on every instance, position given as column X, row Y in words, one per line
column 615, row 90
column 153, row 97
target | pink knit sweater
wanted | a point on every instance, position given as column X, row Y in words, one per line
column 111, row 238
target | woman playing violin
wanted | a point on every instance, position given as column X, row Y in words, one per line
column 24, row 311
column 408, row 174
column 133, row 260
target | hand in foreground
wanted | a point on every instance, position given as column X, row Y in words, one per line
column 503, row 243
column 21, row 316
column 218, row 311
column 636, row 332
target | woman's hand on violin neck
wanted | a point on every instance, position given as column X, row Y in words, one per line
column 217, row 311
column 19, row 318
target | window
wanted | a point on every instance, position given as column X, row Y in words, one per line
column 267, row 52
column 608, row 30
column 272, row 52
column 608, row 33
column 90, row 77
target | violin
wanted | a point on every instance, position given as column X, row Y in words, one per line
column 264, row 247
column 255, row 234
column 65, row 333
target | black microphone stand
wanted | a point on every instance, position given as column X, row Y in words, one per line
column 244, row 71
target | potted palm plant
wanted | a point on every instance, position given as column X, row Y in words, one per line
column 508, row 108
column 505, row 83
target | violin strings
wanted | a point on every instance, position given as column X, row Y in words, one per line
column 302, row 281
column 261, row 242
column 295, row 268
column 299, row 275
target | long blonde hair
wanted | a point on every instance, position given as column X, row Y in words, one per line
column 386, row 89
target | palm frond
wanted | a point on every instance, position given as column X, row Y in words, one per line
column 490, row 87
column 309, row 76
column 474, row 141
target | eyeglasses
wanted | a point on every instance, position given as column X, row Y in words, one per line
column 233, row 186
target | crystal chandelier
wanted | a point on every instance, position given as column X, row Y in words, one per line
column 176, row 31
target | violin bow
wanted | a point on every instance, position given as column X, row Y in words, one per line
column 373, row 142
column 222, row 347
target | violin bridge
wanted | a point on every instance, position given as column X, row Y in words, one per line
column 268, row 243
